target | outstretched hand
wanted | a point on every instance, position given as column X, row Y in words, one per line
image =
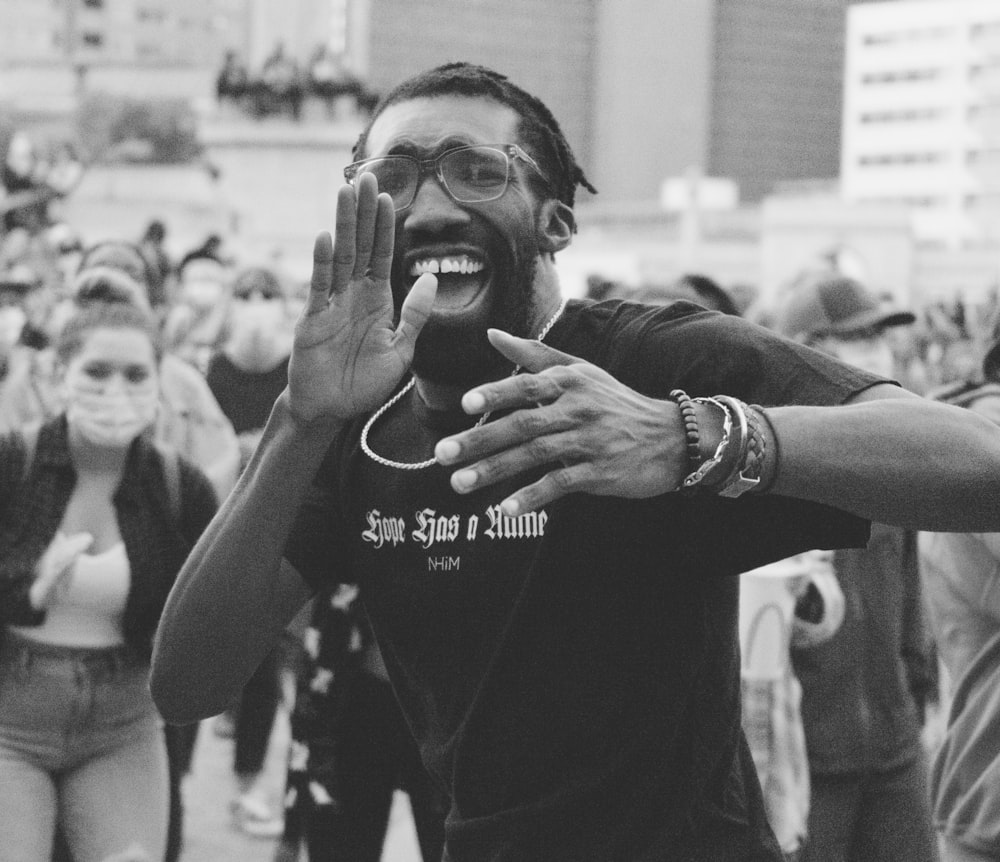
column 348, row 353
column 593, row 433
column 55, row 568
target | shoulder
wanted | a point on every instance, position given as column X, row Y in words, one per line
column 658, row 348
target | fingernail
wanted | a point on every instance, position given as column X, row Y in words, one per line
column 510, row 507
column 446, row 450
column 464, row 479
column 473, row 401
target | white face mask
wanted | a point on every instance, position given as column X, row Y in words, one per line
column 202, row 294
column 113, row 415
column 256, row 320
column 12, row 320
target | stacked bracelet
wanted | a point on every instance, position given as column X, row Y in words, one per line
column 737, row 464
column 711, row 468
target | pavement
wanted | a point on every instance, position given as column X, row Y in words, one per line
column 208, row 790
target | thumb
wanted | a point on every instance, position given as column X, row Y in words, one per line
column 530, row 354
column 78, row 543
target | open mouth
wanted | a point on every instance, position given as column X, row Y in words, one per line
column 462, row 279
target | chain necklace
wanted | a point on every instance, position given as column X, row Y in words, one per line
column 420, row 465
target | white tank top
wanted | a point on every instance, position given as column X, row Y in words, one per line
column 89, row 614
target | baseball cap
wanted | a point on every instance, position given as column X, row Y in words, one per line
column 836, row 305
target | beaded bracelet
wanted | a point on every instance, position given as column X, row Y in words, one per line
column 692, row 440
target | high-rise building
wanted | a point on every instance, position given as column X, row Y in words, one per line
column 922, row 114
column 94, row 32
column 745, row 89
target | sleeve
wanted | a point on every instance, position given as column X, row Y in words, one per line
column 709, row 353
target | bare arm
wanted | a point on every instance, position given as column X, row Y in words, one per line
column 889, row 456
column 893, row 457
column 235, row 594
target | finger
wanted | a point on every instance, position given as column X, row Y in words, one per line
column 322, row 274
column 385, row 231
column 520, row 390
column 553, row 485
column 530, row 354
column 416, row 310
column 344, row 238
column 536, row 426
column 366, row 189
column 78, row 543
column 542, row 451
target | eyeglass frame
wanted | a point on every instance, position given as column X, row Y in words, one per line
column 424, row 166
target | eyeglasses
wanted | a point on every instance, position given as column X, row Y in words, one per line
column 473, row 174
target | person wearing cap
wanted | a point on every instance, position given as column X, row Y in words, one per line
column 961, row 579
column 862, row 687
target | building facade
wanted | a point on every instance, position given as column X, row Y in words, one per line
column 921, row 122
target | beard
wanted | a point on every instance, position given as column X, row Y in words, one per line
column 461, row 355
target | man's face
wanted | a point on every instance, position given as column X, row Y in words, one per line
column 483, row 254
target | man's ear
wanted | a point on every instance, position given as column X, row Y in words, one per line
column 556, row 224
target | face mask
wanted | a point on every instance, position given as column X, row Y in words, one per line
column 12, row 320
column 255, row 319
column 114, row 415
column 202, row 293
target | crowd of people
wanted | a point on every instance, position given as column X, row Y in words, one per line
column 283, row 83
column 491, row 537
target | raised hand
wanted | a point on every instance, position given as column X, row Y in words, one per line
column 53, row 571
column 348, row 355
column 600, row 436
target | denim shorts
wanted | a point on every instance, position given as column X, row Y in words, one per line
column 80, row 741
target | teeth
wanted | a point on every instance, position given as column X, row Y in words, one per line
column 462, row 264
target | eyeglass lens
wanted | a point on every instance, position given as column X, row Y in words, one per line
column 470, row 175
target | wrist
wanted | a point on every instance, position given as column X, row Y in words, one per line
column 308, row 423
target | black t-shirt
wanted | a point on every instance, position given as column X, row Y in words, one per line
column 572, row 675
column 246, row 397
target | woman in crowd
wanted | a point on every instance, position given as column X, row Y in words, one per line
column 246, row 376
column 95, row 522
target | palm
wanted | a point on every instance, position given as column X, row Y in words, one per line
column 348, row 355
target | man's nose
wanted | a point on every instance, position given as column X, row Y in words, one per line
column 432, row 207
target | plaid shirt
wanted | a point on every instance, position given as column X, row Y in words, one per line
column 32, row 507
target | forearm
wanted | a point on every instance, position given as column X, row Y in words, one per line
column 232, row 598
column 906, row 461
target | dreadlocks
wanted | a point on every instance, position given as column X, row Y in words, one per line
column 539, row 130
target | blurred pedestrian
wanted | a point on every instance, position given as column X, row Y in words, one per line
column 351, row 748
column 94, row 524
column 195, row 327
column 961, row 578
column 863, row 688
column 246, row 377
